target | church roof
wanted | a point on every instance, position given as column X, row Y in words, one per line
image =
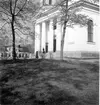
column 81, row 3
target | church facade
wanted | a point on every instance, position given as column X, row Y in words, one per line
column 80, row 42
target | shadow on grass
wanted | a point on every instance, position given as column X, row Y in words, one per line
column 19, row 61
column 27, row 83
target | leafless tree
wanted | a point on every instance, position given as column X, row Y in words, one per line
column 15, row 13
column 69, row 17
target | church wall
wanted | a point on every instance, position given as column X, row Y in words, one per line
column 76, row 39
column 43, row 36
column 76, row 44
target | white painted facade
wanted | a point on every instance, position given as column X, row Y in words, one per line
column 76, row 39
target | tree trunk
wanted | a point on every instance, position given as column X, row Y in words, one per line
column 13, row 36
column 64, row 31
column 62, row 41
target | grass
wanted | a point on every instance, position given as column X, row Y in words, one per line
column 49, row 82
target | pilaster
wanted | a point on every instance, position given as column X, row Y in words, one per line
column 47, row 23
column 59, row 34
column 40, row 37
column 50, row 36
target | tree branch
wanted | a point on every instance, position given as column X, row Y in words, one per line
column 4, row 9
column 19, row 35
column 21, row 8
column 10, row 6
column 21, row 31
column 15, row 6
column 3, row 25
column 5, row 13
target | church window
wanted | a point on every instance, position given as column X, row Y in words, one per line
column 54, row 44
column 90, row 30
column 50, row 2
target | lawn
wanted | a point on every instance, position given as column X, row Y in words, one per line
column 49, row 82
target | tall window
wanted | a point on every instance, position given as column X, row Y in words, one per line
column 90, row 30
column 50, row 2
column 54, row 44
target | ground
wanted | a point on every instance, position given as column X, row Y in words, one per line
column 49, row 82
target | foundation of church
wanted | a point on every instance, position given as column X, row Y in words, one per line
column 73, row 54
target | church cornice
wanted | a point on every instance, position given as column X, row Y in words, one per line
column 86, row 4
column 81, row 3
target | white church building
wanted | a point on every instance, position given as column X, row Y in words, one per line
column 80, row 42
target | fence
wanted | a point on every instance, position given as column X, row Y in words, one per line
column 20, row 55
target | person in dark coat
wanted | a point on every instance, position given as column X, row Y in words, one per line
column 43, row 51
column 37, row 56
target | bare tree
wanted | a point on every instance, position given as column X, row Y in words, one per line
column 69, row 17
column 15, row 13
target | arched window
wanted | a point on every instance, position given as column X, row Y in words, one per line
column 90, row 30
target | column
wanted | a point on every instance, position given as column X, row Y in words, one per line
column 46, row 35
column 50, row 36
column 33, row 38
column 58, row 34
column 43, row 36
column 40, row 37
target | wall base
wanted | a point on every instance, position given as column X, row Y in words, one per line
column 73, row 54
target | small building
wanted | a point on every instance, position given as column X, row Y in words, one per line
column 80, row 42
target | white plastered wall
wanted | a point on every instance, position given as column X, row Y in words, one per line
column 76, row 38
